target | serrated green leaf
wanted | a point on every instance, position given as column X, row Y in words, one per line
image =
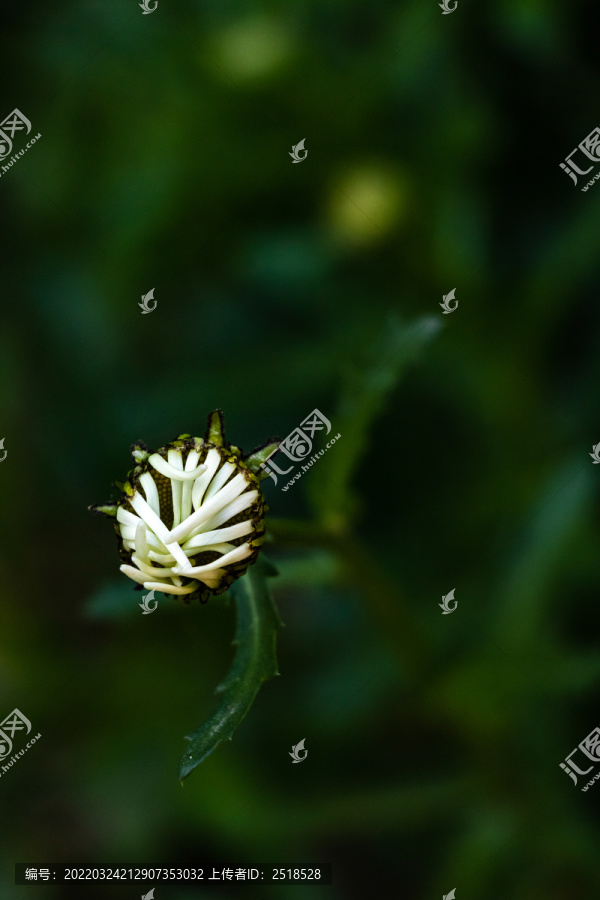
column 255, row 661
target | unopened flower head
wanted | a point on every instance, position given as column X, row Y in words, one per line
column 191, row 517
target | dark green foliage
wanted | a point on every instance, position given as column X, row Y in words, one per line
column 434, row 145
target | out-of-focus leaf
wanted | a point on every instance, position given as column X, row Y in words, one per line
column 541, row 552
column 254, row 662
column 363, row 398
column 565, row 261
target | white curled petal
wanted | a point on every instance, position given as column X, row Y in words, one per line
column 222, row 476
column 134, row 574
column 129, row 534
column 232, row 490
column 217, row 548
column 212, row 579
column 232, row 509
column 166, row 559
column 151, row 492
column 169, row 588
column 235, row 555
column 150, row 518
column 152, row 571
column 175, row 550
column 186, row 494
column 212, row 462
column 221, row 534
column 161, row 465
column 127, row 518
column 141, row 544
column 191, row 460
column 175, row 460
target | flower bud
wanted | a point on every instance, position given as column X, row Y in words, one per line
column 191, row 516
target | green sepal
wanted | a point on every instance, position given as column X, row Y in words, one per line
column 215, row 430
column 260, row 455
column 106, row 509
column 128, row 489
column 140, row 452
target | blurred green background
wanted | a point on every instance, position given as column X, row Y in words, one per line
column 434, row 145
